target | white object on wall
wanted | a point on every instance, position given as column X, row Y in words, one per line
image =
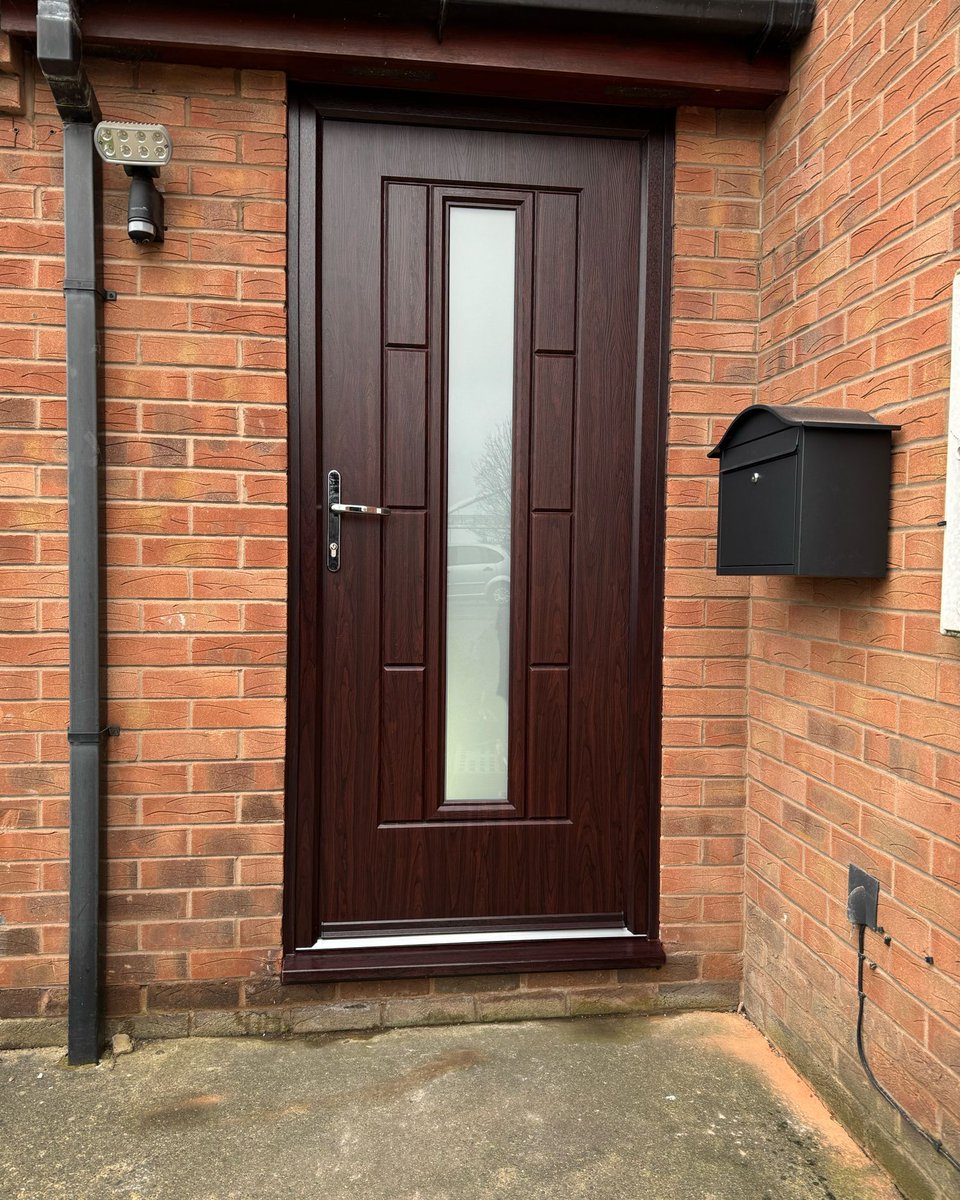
column 950, row 584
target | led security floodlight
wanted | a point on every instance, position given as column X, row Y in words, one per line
column 141, row 150
column 130, row 142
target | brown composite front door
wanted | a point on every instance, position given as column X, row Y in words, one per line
column 475, row 650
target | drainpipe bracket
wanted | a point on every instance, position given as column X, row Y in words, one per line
column 87, row 285
column 92, row 739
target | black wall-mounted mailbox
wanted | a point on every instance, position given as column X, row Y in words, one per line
column 804, row 491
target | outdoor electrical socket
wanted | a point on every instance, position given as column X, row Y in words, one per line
column 863, row 894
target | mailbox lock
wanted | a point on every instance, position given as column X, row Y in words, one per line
column 755, row 477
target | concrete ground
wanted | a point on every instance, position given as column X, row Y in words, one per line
column 694, row 1107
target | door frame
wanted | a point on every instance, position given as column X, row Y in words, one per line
column 308, row 106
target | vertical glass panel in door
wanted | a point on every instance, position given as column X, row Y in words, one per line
column 481, row 303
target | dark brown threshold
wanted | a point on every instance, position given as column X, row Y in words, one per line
column 427, row 930
column 482, row 958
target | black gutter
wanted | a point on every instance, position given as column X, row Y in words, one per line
column 59, row 54
column 773, row 25
column 768, row 24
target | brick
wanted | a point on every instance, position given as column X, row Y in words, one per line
column 141, row 452
column 625, row 999
column 928, row 897
column 477, row 983
column 245, row 182
column 239, row 651
column 270, row 85
column 150, row 1026
column 190, row 872
column 229, row 964
column 179, row 616
column 237, row 840
column 188, row 809
column 428, row 1010
column 265, row 216
column 329, row 1018
column 261, row 807
column 929, row 723
column 946, row 863
column 722, row 996
column 187, row 935
column 248, row 520
column 187, row 280
column 146, row 843
column 239, row 454
column 262, row 870
column 236, row 902
column 220, row 1024
column 30, row 1032
column 270, row 992
column 176, row 682
column 525, row 1005
column 140, row 906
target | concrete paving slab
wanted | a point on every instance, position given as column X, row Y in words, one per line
column 694, row 1107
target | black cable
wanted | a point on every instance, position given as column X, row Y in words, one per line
column 861, row 998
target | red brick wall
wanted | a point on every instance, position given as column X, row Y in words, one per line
column 854, row 694
column 713, row 367
column 195, row 515
column 196, row 520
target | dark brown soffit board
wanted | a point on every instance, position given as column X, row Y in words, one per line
column 521, row 63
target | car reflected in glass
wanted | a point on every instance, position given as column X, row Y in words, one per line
column 478, row 572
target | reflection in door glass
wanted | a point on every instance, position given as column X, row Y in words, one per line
column 480, row 317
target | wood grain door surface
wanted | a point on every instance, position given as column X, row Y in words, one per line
column 567, row 846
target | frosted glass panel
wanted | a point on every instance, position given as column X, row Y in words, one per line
column 480, row 321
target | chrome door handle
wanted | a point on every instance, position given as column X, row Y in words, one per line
column 334, row 510
column 360, row 508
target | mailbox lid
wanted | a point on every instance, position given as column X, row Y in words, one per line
column 762, row 420
column 760, row 449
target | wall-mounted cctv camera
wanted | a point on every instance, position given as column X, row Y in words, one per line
column 144, row 207
column 141, row 150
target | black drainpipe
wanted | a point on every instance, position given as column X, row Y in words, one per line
column 59, row 55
